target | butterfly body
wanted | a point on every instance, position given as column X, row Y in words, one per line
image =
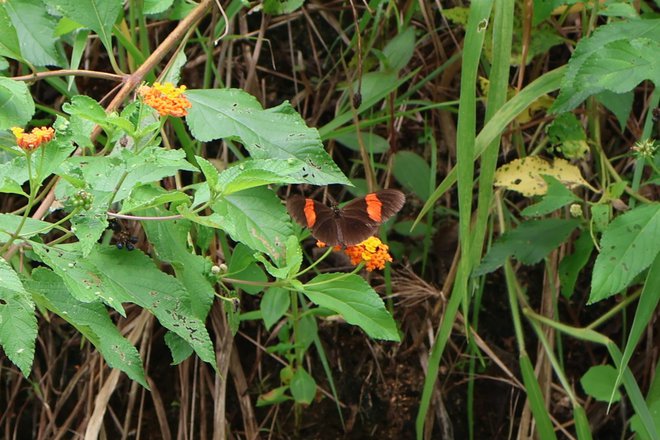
column 355, row 222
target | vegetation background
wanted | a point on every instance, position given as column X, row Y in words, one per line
column 525, row 275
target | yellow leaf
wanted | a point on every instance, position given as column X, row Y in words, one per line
column 525, row 175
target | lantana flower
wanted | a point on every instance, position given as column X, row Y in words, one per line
column 29, row 142
column 166, row 99
column 372, row 252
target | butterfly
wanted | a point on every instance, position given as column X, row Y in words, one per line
column 355, row 222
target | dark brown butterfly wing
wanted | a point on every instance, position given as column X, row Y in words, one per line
column 360, row 218
column 390, row 201
column 356, row 222
column 296, row 207
column 324, row 226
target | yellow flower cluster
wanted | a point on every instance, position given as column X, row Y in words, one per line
column 373, row 252
column 166, row 99
column 34, row 139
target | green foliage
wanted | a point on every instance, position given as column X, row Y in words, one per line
column 628, row 246
column 15, row 100
column 598, row 381
column 528, row 243
column 616, row 57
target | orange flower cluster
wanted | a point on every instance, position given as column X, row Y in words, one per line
column 373, row 252
column 166, row 99
column 34, row 139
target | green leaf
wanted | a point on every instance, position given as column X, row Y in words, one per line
column 646, row 307
column 153, row 7
column 413, row 173
column 97, row 15
column 628, row 246
column 354, row 299
column 557, row 197
column 618, row 103
column 567, row 134
column 18, row 325
column 9, row 223
column 528, row 243
column 16, row 103
column 571, row 265
column 293, row 260
column 161, row 294
column 255, row 217
column 303, row 387
column 275, row 133
column 598, row 382
column 179, row 348
column 279, row 7
column 88, row 227
column 35, row 30
column 150, row 196
column 616, row 57
column 170, row 240
column 86, row 108
column 81, row 276
column 260, row 172
column 373, row 143
column 90, row 319
column 273, row 397
column 400, row 49
column 104, row 174
column 274, row 304
column 242, row 266
column 9, row 44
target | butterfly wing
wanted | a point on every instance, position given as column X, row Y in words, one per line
column 316, row 216
column 360, row 218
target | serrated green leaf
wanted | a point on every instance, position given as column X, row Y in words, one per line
column 598, row 382
column 9, row 44
column 104, row 174
column 557, row 197
column 170, row 239
column 628, row 246
column 293, row 260
column 38, row 48
column 255, row 217
column 179, row 348
column 10, row 222
column 97, row 15
column 16, row 103
column 91, row 320
column 571, row 265
column 161, row 294
column 274, row 304
column 616, row 57
column 618, row 103
column 151, row 196
column 18, row 325
column 88, row 227
column 530, row 242
column 354, row 299
column 242, row 266
column 259, row 172
column 81, row 276
column 275, row 133
column 210, row 172
column 86, row 108
column 303, row 387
